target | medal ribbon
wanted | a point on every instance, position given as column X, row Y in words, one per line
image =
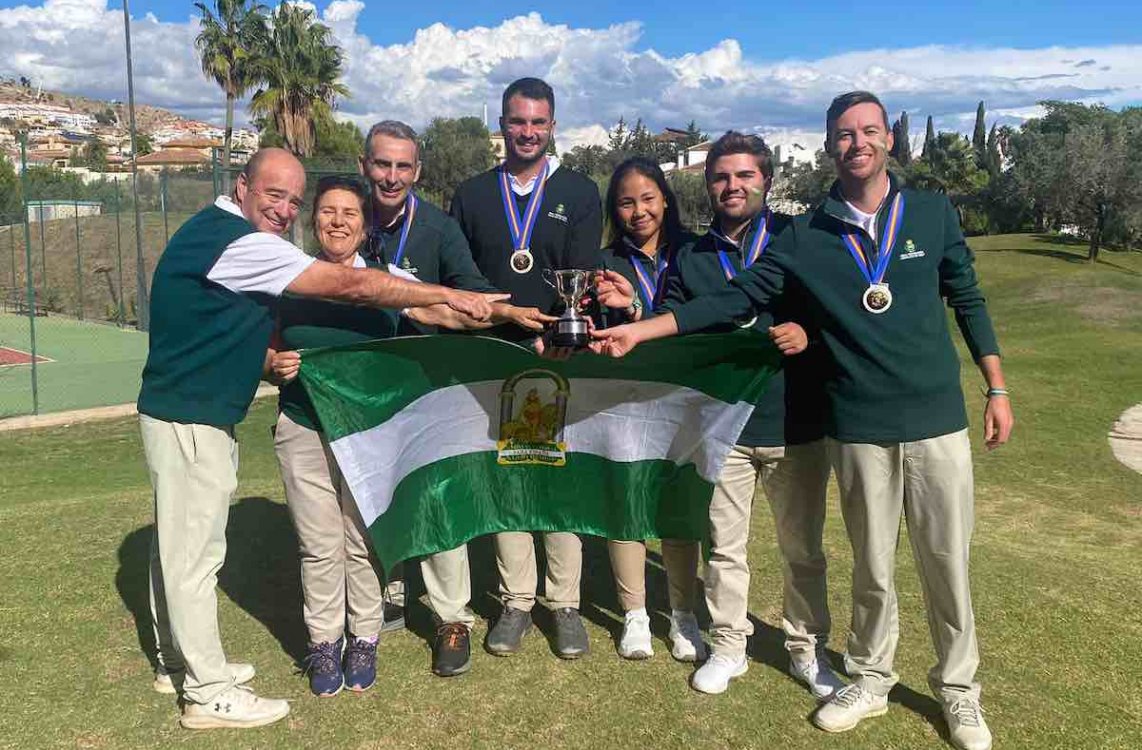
column 649, row 288
column 521, row 229
column 887, row 243
column 409, row 214
column 756, row 248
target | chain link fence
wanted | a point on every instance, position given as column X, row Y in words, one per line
column 70, row 286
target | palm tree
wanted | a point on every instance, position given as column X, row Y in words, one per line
column 229, row 42
column 298, row 72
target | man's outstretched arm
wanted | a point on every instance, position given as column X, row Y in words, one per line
column 373, row 288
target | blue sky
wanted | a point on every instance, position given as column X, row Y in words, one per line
column 767, row 30
column 770, row 67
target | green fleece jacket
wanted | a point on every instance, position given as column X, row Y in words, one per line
column 893, row 377
column 791, row 411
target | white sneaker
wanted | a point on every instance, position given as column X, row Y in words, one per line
column 966, row 726
column 686, row 642
column 847, row 707
column 714, row 676
column 234, row 708
column 635, row 641
column 816, row 674
column 242, row 673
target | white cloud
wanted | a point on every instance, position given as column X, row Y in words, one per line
column 598, row 73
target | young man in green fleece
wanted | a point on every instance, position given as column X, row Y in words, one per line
column 782, row 446
column 873, row 265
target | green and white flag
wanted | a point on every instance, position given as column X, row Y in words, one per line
column 445, row 438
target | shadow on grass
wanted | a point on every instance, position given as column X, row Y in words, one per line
column 1053, row 250
column 132, row 583
column 260, row 575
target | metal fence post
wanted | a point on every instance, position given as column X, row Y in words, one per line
column 78, row 261
column 163, row 202
column 31, row 291
column 43, row 252
column 12, row 242
column 119, row 255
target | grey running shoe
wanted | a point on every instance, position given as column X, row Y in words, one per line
column 505, row 637
column 570, row 635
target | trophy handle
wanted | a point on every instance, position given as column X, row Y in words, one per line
column 549, row 276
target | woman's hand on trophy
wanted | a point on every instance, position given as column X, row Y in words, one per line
column 790, row 338
column 284, row 367
column 613, row 289
column 614, row 342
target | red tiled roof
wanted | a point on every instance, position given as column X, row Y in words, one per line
column 174, row 156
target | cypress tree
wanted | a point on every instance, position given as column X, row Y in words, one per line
column 903, row 142
column 994, row 158
column 979, row 137
column 929, row 138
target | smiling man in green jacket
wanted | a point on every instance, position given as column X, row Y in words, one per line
column 874, row 264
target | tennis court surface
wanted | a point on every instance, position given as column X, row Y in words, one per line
column 78, row 365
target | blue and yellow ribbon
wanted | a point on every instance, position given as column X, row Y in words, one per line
column 409, row 214
column 875, row 274
column 521, row 229
column 650, row 289
column 756, row 247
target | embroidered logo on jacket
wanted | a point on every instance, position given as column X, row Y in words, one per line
column 910, row 251
column 558, row 214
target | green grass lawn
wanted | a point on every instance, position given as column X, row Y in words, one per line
column 1057, row 554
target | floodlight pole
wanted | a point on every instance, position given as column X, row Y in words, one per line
column 142, row 304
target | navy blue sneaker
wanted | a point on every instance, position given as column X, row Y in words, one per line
column 323, row 663
column 360, row 665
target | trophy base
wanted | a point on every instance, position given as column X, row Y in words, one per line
column 570, row 334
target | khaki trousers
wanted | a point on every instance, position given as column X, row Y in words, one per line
column 930, row 482
column 515, row 559
column 194, row 472
column 448, row 582
column 679, row 557
column 337, row 574
column 794, row 478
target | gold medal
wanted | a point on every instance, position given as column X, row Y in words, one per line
column 877, row 298
column 521, row 260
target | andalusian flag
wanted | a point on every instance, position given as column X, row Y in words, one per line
column 445, row 438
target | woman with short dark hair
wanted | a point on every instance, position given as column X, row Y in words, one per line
column 339, row 583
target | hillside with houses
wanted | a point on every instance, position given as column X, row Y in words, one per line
column 90, row 138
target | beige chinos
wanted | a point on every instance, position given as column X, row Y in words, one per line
column 448, row 583
column 338, row 579
column 679, row 557
column 930, row 483
column 194, row 472
column 794, row 479
column 515, row 559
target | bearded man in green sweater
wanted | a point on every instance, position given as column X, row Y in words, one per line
column 896, row 424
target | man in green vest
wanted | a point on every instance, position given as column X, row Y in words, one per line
column 874, row 264
column 416, row 239
column 211, row 321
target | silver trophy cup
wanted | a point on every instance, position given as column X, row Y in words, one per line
column 570, row 284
